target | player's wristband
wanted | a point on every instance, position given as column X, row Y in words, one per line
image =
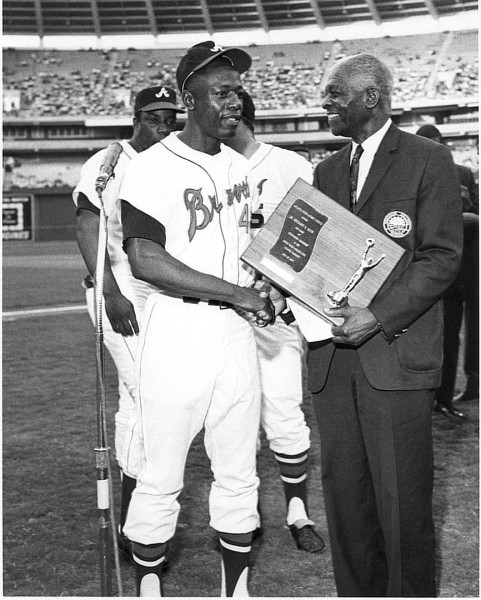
column 287, row 316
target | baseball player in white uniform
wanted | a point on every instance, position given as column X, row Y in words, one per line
column 280, row 347
column 186, row 206
column 155, row 113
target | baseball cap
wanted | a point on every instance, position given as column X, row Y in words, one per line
column 156, row 98
column 203, row 54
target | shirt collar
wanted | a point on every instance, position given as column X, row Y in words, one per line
column 372, row 143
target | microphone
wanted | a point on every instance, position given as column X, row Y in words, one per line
column 107, row 167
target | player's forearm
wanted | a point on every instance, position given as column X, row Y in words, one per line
column 87, row 239
column 151, row 263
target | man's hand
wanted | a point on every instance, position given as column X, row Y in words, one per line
column 359, row 325
column 121, row 314
column 277, row 299
column 255, row 306
column 267, row 315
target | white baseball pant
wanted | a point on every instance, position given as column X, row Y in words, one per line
column 280, row 352
column 122, row 350
column 197, row 367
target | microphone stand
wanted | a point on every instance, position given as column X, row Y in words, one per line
column 105, row 502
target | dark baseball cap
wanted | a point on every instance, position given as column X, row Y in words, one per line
column 203, row 54
column 159, row 97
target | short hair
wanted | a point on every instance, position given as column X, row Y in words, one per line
column 429, row 131
column 373, row 72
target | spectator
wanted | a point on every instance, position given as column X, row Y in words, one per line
column 461, row 300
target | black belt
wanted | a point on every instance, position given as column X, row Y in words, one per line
column 219, row 303
column 88, row 282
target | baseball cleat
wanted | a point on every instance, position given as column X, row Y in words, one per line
column 307, row 539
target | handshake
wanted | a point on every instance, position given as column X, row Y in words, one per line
column 266, row 303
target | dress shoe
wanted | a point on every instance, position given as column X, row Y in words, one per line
column 307, row 539
column 126, row 548
column 449, row 411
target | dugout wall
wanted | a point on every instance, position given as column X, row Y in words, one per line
column 38, row 214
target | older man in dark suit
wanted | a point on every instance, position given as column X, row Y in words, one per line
column 373, row 382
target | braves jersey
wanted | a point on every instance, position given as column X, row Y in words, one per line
column 86, row 186
column 202, row 202
column 275, row 171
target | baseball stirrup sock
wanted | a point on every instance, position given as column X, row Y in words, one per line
column 148, row 567
column 235, row 551
column 293, row 471
column 128, row 486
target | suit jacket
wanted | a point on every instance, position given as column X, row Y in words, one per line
column 411, row 194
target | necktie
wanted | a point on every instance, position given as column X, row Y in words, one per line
column 354, row 175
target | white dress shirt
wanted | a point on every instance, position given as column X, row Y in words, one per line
column 370, row 147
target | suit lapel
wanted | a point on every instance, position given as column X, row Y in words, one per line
column 381, row 163
column 342, row 171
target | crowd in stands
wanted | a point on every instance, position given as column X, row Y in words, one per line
column 95, row 82
column 32, row 173
column 91, row 82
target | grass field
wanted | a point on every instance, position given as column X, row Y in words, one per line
column 49, row 484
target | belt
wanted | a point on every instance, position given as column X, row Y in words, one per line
column 220, row 303
column 88, row 282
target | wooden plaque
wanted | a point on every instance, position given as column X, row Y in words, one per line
column 311, row 246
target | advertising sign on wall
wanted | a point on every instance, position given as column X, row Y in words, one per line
column 17, row 218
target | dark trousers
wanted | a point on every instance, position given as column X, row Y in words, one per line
column 471, row 351
column 377, row 475
column 462, row 298
column 455, row 306
column 453, row 317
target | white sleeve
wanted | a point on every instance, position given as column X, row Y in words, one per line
column 302, row 168
column 140, row 187
column 88, row 175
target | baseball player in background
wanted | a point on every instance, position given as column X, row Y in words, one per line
column 185, row 226
column 155, row 113
column 280, row 347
